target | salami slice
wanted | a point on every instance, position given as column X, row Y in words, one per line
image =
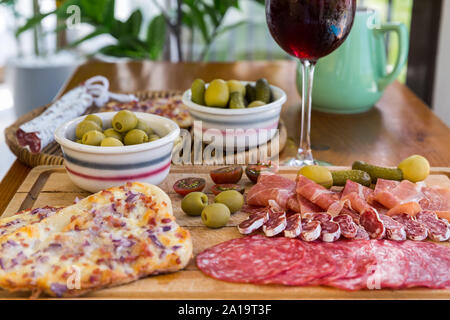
column 276, row 223
column 348, row 228
column 419, row 270
column 414, row 230
column 330, row 231
column 310, row 230
column 392, row 267
column 394, row 229
column 342, row 256
column 316, row 264
column 363, row 262
column 361, row 234
column 437, row 258
column 438, row 230
column 250, row 259
column 371, row 221
column 322, row 217
column 254, row 222
column 294, row 226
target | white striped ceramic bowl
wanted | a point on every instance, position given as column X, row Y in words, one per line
column 96, row 168
column 236, row 128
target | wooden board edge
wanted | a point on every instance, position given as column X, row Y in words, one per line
column 35, row 174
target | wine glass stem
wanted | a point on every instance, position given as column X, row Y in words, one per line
column 304, row 150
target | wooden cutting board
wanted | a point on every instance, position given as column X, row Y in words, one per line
column 50, row 185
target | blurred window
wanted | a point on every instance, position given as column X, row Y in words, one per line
column 249, row 41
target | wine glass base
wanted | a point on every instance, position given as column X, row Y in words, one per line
column 295, row 162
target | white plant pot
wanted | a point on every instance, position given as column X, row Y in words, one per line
column 35, row 81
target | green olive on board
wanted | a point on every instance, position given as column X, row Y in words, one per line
column 85, row 126
column 415, row 168
column 93, row 138
column 124, row 120
column 216, row 215
column 135, row 136
column 111, row 142
column 194, row 203
column 318, row 174
column 233, row 199
column 94, row 118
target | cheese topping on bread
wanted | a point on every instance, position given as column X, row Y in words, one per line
column 112, row 237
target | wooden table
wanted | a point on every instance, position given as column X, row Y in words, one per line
column 399, row 125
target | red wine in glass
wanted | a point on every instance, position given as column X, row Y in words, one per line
column 309, row 30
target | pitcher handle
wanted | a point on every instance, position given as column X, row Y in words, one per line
column 403, row 45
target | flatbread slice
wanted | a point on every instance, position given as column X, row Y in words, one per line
column 112, row 237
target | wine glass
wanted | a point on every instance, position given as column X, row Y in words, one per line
column 309, row 30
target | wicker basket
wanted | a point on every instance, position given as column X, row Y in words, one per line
column 51, row 154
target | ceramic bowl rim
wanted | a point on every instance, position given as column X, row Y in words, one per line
column 67, row 143
column 236, row 112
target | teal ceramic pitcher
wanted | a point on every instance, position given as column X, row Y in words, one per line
column 352, row 79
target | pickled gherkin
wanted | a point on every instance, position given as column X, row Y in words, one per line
column 198, row 91
column 340, row 177
column 250, row 93
column 236, row 100
column 262, row 91
column 377, row 172
column 256, row 103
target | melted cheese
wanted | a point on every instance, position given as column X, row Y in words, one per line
column 114, row 236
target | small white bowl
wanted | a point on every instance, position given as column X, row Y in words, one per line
column 96, row 168
column 237, row 128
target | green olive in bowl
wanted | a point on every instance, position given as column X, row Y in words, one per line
column 153, row 137
column 86, row 126
column 94, row 118
column 93, row 138
column 144, row 126
column 111, row 142
column 124, row 121
column 194, row 203
column 113, row 134
column 135, row 136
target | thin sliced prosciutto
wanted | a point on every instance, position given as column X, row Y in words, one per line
column 320, row 196
column 271, row 187
column 411, row 198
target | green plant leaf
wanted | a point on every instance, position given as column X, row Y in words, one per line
column 93, row 34
column 230, row 27
column 156, row 36
column 119, row 51
column 108, row 15
column 94, row 9
column 133, row 23
column 197, row 17
column 33, row 22
column 187, row 20
column 213, row 14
